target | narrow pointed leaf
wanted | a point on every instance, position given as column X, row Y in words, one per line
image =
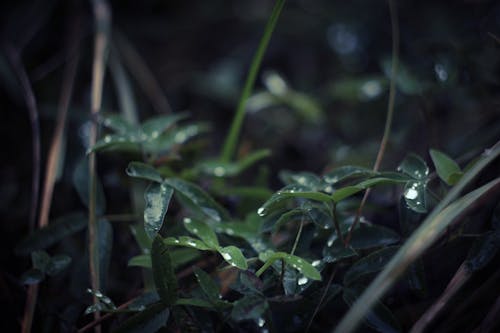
column 208, row 285
column 81, row 183
column 372, row 263
column 163, row 272
column 157, row 198
column 117, row 123
column 233, row 256
column 367, row 237
column 446, row 168
column 199, row 199
column 202, row 231
column 186, row 241
column 380, row 318
column 343, row 173
column 143, row 171
column 415, row 167
column 53, row 233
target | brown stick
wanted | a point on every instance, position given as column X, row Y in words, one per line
column 390, row 111
column 99, row 320
column 461, row 276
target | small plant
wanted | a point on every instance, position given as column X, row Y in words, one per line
column 220, row 251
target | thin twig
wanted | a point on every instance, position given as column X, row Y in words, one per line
column 390, row 110
column 15, row 60
column 99, row 320
column 461, row 276
column 141, row 72
column 316, row 310
column 102, row 16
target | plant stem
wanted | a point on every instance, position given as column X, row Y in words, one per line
column 232, row 137
column 297, row 238
column 102, row 16
column 390, row 110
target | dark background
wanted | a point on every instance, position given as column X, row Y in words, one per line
column 199, row 52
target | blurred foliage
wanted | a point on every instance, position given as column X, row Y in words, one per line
column 312, row 128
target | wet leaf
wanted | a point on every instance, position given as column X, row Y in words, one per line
column 199, row 199
column 202, row 231
column 195, row 302
column 347, row 172
column 415, row 167
column 187, row 241
column 446, row 168
column 40, row 260
column 117, row 123
column 379, row 318
column 208, row 285
column 129, row 142
column 372, row 263
column 57, row 264
column 163, row 272
column 415, row 196
column 150, row 320
column 249, row 307
column 143, row 171
column 335, row 251
column 229, row 169
column 32, row 276
column 141, row 237
column 56, row 231
column 233, row 256
column 157, row 198
column 288, row 192
column 154, row 127
column 345, row 192
column 307, row 179
column 367, row 237
column 300, row 264
column 142, row 260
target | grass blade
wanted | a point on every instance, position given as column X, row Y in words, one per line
column 232, row 138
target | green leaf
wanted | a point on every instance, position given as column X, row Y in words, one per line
column 40, row 260
column 346, row 172
column 157, row 198
column 233, row 256
column 143, row 171
column 56, row 231
column 154, row 127
column 228, row 169
column 198, row 302
column 57, row 264
column 345, row 192
column 129, row 142
column 300, row 264
column 367, row 237
column 117, row 123
column 307, row 179
column 446, row 168
column 483, row 250
column 291, row 191
column 81, row 184
column 202, row 231
column 163, row 272
column 335, row 251
column 415, row 167
column 142, row 260
column 432, row 227
column 372, row 263
column 187, row 241
column 208, row 285
column 150, row 320
column 249, row 307
column 32, row 276
column 380, row 318
column 141, row 237
column 415, row 196
column 199, row 199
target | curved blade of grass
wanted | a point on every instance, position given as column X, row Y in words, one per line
column 441, row 217
column 232, row 137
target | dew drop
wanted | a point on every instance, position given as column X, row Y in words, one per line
column 302, row 281
column 226, row 256
column 191, row 243
column 411, row 194
column 187, row 220
column 219, row 171
column 261, row 211
column 261, row 322
column 316, row 263
column 230, row 232
column 330, row 242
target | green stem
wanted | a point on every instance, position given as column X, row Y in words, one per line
column 232, row 137
column 390, row 111
column 297, row 238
